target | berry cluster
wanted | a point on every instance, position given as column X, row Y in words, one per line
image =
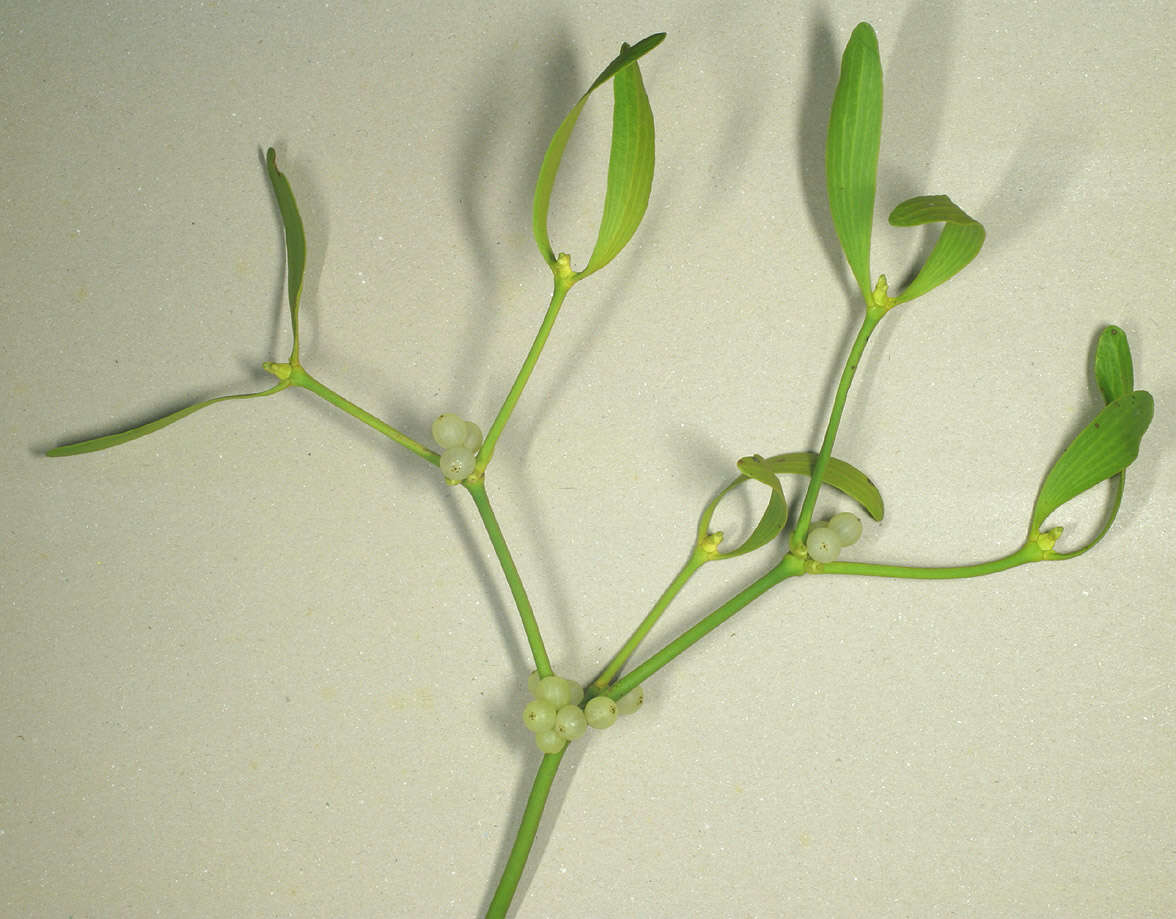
column 554, row 716
column 826, row 540
column 459, row 441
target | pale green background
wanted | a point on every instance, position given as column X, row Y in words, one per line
column 263, row 664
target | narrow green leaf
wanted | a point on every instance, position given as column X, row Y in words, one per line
column 839, row 474
column 1105, row 447
column 113, row 440
column 958, row 243
column 774, row 517
column 851, row 153
column 630, row 170
column 295, row 239
column 1112, row 364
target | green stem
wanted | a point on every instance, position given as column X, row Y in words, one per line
column 788, row 567
column 800, row 533
column 563, row 283
column 697, row 559
column 477, row 489
column 525, row 838
column 299, row 377
column 1030, row 552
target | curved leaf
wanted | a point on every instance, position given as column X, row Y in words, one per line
column 113, row 440
column 958, row 243
column 841, row 475
column 1106, row 446
column 851, row 153
column 630, row 167
column 774, row 517
column 295, row 239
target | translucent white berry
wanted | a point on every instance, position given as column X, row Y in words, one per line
column 554, row 689
column 847, row 527
column 533, row 683
column 457, row 463
column 823, row 544
column 539, row 716
column 449, row 431
column 549, row 741
column 473, row 436
column 600, row 712
column 570, row 722
column 630, row 702
column 576, row 690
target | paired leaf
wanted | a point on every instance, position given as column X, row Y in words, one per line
column 839, row 474
column 295, row 263
column 851, row 152
column 774, row 517
column 295, row 240
column 630, row 165
column 113, row 440
column 958, row 243
column 1105, row 447
column 1104, row 444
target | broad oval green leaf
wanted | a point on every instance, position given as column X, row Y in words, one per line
column 630, row 166
column 1105, row 447
column 113, row 440
column 851, row 152
column 771, row 522
column 295, row 239
column 839, row 474
column 958, row 243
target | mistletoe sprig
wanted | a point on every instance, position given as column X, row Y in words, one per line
column 561, row 709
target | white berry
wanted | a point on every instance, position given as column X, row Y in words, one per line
column 457, row 463
column 600, row 712
column 629, row 703
column 539, row 715
column 473, row 436
column 570, row 722
column 549, row 741
column 847, row 527
column 449, row 431
column 823, row 544
column 554, row 689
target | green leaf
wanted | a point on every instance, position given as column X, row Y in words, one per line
column 958, row 243
column 113, row 440
column 772, row 521
column 851, row 153
column 1105, row 447
column 1112, row 364
column 630, row 166
column 295, row 240
column 839, row 474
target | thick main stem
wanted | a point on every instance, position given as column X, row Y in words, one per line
column 525, row 837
